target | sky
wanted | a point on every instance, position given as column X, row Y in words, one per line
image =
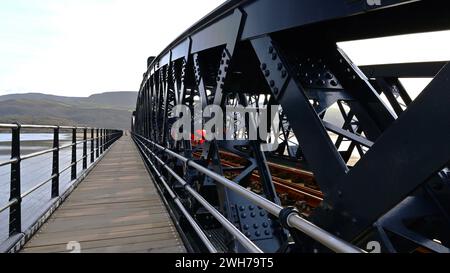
column 81, row 47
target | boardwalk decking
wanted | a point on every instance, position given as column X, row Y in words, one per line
column 115, row 209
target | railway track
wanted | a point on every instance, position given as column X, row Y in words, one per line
column 295, row 187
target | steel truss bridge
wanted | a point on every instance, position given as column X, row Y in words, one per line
column 379, row 177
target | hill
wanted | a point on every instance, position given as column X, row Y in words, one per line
column 110, row 109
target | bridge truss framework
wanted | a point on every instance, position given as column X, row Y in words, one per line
column 285, row 52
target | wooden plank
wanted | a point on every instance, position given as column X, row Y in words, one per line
column 115, row 209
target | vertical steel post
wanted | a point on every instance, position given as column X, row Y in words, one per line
column 85, row 149
column 74, row 154
column 106, row 139
column 101, row 141
column 55, row 166
column 15, row 211
column 92, row 145
column 97, row 149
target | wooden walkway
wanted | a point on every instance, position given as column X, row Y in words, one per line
column 115, row 209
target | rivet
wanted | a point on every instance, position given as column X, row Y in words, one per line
column 258, row 234
column 262, row 213
column 275, row 90
column 255, row 225
column 246, row 227
column 253, row 214
column 267, row 232
column 280, row 66
column 272, row 83
column 267, row 73
column 271, row 49
column 251, row 207
column 243, row 215
column 263, row 66
column 274, row 56
column 241, row 208
column 283, row 74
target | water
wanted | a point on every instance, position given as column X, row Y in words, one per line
column 33, row 172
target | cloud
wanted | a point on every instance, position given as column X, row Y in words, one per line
column 70, row 47
column 80, row 47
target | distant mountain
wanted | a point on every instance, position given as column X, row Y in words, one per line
column 109, row 109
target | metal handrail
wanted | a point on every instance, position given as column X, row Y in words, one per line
column 203, row 237
column 36, row 126
column 104, row 138
column 244, row 240
column 9, row 161
column 293, row 220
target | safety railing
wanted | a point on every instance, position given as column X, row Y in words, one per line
column 290, row 218
column 100, row 140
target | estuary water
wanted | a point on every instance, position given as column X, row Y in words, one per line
column 33, row 172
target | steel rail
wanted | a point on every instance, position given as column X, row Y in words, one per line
column 9, row 204
column 7, row 162
column 246, row 242
column 180, row 205
column 293, row 220
column 25, row 194
column 32, row 155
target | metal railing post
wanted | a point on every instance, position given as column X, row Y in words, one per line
column 97, row 149
column 108, row 138
column 104, row 140
column 92, row 145
column 101, row 141
column 84, row 149
column 15, row 211
column 55, row 166
column 74, row 154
